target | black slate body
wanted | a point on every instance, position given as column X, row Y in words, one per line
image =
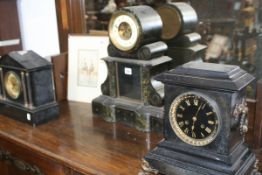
column 226, row 154
column 130, row 96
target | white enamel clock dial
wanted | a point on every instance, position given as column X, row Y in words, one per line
column 124, row 31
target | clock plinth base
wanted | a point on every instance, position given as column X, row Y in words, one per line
column 34, row 116
column 142, row 117
column 171, row 161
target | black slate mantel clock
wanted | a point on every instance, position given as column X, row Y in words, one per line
column 136, row 54
column 27, row 89
column 204, row 122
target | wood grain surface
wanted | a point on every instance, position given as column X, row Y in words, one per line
column 77, row 143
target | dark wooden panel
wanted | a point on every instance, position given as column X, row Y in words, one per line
column 4, row 168
column 9, row 28
column 60, row 63
column 62, row 22
column 7, row 49
column 251, row 121
column 25, row 162
column 258, row 118
column 70, row 19
column 77, row 16
column 259, row 158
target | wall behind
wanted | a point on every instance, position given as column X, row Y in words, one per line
column 38, row 25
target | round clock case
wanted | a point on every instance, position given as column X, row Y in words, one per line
column 178, row 18
column 131, row 27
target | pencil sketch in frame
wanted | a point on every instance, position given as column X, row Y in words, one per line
column 86, row 69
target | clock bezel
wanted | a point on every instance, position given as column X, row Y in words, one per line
column 114, row 38
column 178, row 131
column 8, row 73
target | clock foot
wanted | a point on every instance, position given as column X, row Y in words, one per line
column 146, row 169
column 255, row 172
column 255, row 169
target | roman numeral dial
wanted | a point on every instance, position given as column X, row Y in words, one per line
column 194, row 118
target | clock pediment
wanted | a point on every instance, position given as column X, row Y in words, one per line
column 207, row 75
column 28, row 60
column 6, row 61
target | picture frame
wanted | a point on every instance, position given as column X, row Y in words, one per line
column 86, row 70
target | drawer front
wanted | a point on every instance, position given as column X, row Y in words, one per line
column 15, row 159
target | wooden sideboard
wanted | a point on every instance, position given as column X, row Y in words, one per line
column 77, row 143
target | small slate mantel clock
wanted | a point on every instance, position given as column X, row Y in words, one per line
column 204, row 122
column 27, row 89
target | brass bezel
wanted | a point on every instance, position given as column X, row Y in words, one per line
column 113, row 39
column 185, row 138
column 9, row 91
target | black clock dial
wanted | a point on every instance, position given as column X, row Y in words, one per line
column 194, row 119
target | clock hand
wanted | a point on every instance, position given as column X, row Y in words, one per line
column 193, row 126
column 194, row 121
column 198, row 110
column 195, row 117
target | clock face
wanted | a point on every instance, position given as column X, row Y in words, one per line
column 195, row 119
column 172, row 22
column 124, row 31
column 12, row 85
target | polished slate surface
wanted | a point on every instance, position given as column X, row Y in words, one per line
column 82, row 142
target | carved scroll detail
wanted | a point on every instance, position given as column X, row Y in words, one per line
column 18, row 163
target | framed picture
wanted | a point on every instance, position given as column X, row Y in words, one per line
column 216, row 47
column 86, row 70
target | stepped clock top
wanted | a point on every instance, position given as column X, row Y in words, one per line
column 207, row 75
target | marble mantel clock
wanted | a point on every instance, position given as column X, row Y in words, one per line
column 136, row 54
column 27, row 89
column 205, row 120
